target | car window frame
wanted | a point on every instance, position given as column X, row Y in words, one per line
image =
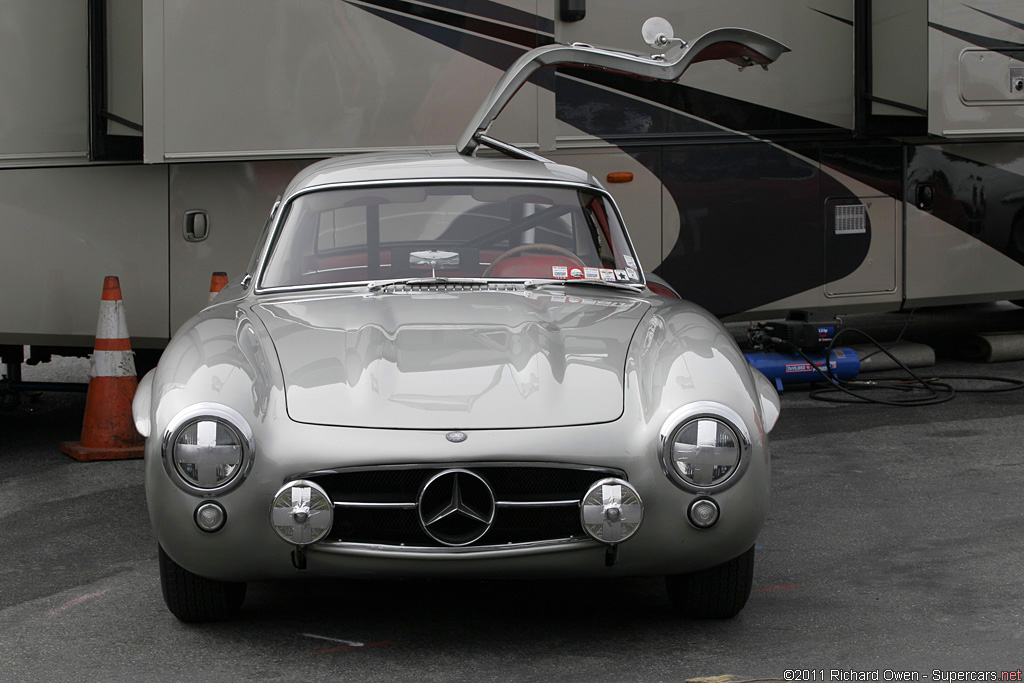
column 285, row 209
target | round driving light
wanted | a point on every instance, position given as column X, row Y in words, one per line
column 703, row 513
column 705, row 452
column 207, row 452
column 301, row 512
column 210, row 517
column 611, row 511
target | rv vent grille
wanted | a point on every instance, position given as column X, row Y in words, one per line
column 1016, row 79
column 851, row 219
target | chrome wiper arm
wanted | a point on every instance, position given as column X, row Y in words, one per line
column 381, row 284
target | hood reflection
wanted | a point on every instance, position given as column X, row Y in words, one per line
column 497, row 360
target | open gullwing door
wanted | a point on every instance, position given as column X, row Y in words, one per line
column 737, row 45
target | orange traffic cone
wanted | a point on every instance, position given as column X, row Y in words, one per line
column 217, row 283
column 108, row 432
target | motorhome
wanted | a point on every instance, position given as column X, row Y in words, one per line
column 877, row 166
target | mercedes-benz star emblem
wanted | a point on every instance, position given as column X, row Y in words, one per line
column 456, row 507
column 456, row 437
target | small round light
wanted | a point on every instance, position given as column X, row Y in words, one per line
column 210, row 517
column 612, row 511
column 703, row 513
column 705, row 452
column 207, row 452
column 301, row 513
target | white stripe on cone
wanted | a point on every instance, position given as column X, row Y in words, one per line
column 111, row 323
column 112, row 364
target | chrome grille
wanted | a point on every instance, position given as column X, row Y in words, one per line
column 535, row 503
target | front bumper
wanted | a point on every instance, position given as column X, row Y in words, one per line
column 247, row 548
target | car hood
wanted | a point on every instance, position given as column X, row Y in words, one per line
column 453, row 360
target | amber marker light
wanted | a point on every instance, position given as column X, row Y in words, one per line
column 620, row 177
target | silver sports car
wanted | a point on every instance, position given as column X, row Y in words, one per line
column 447, row 365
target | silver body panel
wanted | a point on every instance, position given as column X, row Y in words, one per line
column 680, row 355
column 465, row 360
column 586, row 377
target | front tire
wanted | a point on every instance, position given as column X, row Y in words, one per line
column 716, row 593
column 195, row 599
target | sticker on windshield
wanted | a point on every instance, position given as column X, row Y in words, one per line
column 576, row 274
column 560, row 272
column 631, row 274
column 629, row 261
column 621, row 276
column 591, row 274
column 608, row 275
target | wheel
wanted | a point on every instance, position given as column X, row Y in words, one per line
column 716, row 593
column 193, row 598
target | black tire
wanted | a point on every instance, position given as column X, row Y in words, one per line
column 716, row 593
column 195, row 599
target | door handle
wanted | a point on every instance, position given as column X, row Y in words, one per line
column 196, row 227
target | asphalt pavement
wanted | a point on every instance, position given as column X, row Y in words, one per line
column 893, row 543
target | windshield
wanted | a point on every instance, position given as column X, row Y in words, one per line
column 351, row 235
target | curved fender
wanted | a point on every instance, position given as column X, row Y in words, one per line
column 770, row 404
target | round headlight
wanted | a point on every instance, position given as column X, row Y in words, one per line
column 207, row 449
column 301, row 512
column 705, row 452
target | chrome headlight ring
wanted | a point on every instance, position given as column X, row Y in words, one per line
column 730, row 432
column 207, row 449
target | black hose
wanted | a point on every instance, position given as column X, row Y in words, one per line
column 935, row 390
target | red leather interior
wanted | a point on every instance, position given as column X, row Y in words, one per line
column 531, row 265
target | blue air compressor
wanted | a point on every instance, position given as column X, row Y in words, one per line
column 789, row 368
column 787, row 351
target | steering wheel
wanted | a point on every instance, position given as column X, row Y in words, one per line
column 541, row 248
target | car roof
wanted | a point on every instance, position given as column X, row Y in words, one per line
column 430, row 166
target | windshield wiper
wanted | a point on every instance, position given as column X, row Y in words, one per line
column 635, row 288
column 381, row 284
